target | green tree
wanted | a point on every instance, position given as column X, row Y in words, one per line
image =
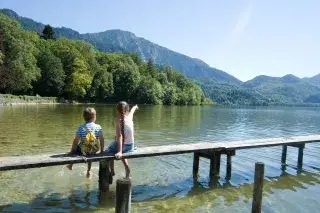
column 18, row 68
column 150, row 91
column 102, row 85
column 170, row 95
column 169, row 73
column 79, row 81
column 136, row 58
column 151, row 68
column 1, row 58
column 51, row 82
column 162, row 78
column 125, row 78
column 48, row 32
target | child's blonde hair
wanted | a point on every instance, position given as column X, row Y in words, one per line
column 89, row 114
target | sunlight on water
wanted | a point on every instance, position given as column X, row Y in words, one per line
column 162, row 184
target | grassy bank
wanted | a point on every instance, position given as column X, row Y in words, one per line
column 7, row 99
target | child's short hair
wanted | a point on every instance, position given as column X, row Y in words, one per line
column 89, row 114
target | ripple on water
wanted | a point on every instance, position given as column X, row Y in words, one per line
column 162, row 184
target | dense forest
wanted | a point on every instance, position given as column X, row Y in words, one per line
column 38, row 63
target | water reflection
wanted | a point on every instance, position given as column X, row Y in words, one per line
column 197, row 195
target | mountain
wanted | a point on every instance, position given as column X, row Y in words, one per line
column 285, row 90
column 216, row 84
column 123, row 41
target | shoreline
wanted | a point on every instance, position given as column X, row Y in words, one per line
column 15, row 100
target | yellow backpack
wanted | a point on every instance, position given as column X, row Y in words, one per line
column 91, row 144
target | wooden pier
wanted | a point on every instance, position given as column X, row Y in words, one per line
column 212, row 151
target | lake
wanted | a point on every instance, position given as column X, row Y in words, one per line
column 162, row 184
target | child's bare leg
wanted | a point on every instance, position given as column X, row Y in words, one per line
column 89, row 168
column 69, row 166
column 126, row 166
column 111, row 164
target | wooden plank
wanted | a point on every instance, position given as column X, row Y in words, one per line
column 24, row 162
column 208, row 154
column 298, row 145
column 250, row 144
column 205, row 155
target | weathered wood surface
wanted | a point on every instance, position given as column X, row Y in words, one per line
column 284, row 154
column 229, row 167
column 123, row 196
column 258, row 188
column 196, row 159
column 104, row 176
column 300, row 157
column 24, row 162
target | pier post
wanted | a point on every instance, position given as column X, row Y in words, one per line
column 300, row 156
column 218, row 162
column 213, row 165
column 258, row 186
column 229, row 167
column 104, row 175
column 196, row 159
column 284, row 155
column 123, row 196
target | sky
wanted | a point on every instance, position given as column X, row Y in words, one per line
column 244, row 38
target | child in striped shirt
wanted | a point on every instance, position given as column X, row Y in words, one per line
column 89, row 115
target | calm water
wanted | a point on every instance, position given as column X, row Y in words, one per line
column 162, row 184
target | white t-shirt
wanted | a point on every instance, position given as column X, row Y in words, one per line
column 128, row 130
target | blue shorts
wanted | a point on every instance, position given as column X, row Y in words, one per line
column 113, row 147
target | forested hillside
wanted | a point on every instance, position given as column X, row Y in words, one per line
column 41, row 64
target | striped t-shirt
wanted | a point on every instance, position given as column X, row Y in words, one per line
column 84, row 128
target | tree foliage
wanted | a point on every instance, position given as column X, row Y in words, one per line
column 48, row 32
column 18, row 68
column 72, row 69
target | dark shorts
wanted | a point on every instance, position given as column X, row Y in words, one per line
column 126, row 148
column 78, row 150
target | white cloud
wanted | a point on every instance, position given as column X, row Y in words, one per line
column 242, row 22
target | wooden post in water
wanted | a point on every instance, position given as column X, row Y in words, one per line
column 213, row 166
column 123, row 196
column 218, row 162
column 104, row 175
column 284, row 155
column 300, row 156
column 229, row 167
column 257, row 189
column 196, row 159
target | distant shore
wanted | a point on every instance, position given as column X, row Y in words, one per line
column 10, row 100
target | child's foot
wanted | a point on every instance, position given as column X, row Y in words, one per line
column 69, row 166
